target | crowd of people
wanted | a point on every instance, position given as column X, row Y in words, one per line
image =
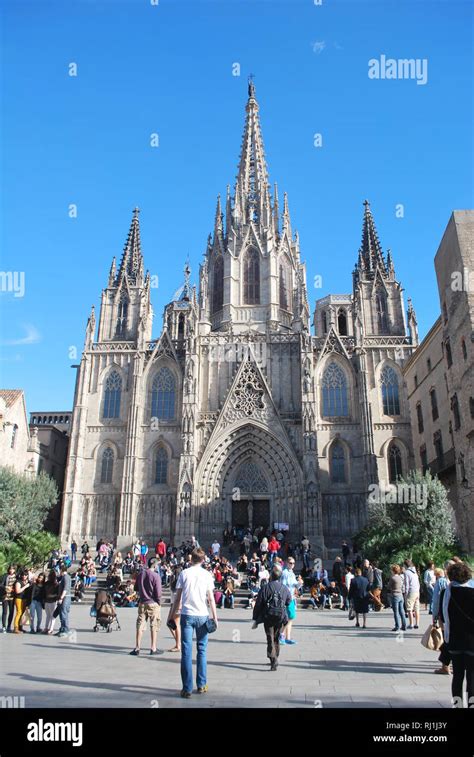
column 264, row 569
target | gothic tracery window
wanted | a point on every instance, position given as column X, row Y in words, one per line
column 382, row 312
column 251, row 266
column 218, row 284
column 107, row 468
column 284, row 288
column 250, row 479
column 122, row 316
column 161, row 466
column 390, row 391
column 395, row 468
column 113, row 391
column 163, row 395
column 334, row 383
column 337, row 464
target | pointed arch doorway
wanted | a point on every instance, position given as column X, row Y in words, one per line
column 250, row 499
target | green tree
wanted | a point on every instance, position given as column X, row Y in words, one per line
column 413, row 521
column 24, row 503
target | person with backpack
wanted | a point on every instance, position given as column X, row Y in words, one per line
column 271, row 610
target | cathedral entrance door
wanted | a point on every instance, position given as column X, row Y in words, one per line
column 251, row 514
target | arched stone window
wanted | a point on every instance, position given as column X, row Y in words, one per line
column 395, row 468
column 163, row 395
column 382, row 311
column 181, row 321
column 161, row 466
column 284, row 288
column 251, row 277
column 122, row 316
column 324, row 321
column 390, row 391
column 337, row 463
column 342, row 322
column 113, row 392
column 334, row 383
column 107, row 468
column 218, row 284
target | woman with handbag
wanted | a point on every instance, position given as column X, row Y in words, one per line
column 458, row 612
column 51, row 594
column 21, row 587
column 359, row 594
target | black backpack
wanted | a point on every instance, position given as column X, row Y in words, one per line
column 274, row 609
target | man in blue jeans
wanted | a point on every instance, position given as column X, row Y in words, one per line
column 195, row 594
column 64, row 601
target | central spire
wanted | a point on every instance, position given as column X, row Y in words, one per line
column 370, row 252
column 252, row 187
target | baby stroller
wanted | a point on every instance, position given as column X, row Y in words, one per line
column 104, row 612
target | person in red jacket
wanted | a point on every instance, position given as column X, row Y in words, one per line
column 273, row 547
column 160, row 548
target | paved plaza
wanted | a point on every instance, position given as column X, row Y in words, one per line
column 334, row 664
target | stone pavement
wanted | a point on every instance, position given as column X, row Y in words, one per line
column 334, row 664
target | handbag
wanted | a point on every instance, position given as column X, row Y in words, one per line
column 291, row 610
column 432, row 638
column 25, row 619
column 352, row 614
column 57, row 610
column 211, row 625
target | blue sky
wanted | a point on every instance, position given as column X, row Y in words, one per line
column 168, row 69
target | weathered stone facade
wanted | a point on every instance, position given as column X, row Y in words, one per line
column 454, row 264
column 236, row 414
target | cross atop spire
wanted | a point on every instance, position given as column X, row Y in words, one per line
column 132, row 260
column 370, row 252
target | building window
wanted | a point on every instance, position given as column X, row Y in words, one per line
column 415, row 380
column 423, row 458
column 14, row 434
column 419, row 415
column 122, row 316
column 434, row 405
column 107, row 466
column 163, row 395
column 464, row 348
column 471, row 406
column 390, row 393
column 394, row 462
column 218, row 284
column 342, row 322
column 438, row 445
column 449, row 357
column 428, row 365
column 338, row 464
column 161, row 466
column 455, row 409
column 284, row 294
column 113, row 391
column 324, row 322
column 382, row 314
column 334, row 383
column 181, row 321
column 251, row 277
column 445, row 312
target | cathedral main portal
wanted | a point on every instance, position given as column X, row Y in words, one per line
column 251, row 513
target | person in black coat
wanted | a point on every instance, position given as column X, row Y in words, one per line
column 359, row 595
column 271, row 610
column 458, row 612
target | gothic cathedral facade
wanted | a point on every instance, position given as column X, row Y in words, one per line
column 236, row 414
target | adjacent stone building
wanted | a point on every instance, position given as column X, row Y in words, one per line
column 51, row 431
column 454, row 263
column 16, row 448
column 236, row 414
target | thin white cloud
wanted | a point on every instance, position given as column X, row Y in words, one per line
column 32, row 337
column 318, row 47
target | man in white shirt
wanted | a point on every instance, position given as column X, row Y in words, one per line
column 216, row 548
column 194, row 592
